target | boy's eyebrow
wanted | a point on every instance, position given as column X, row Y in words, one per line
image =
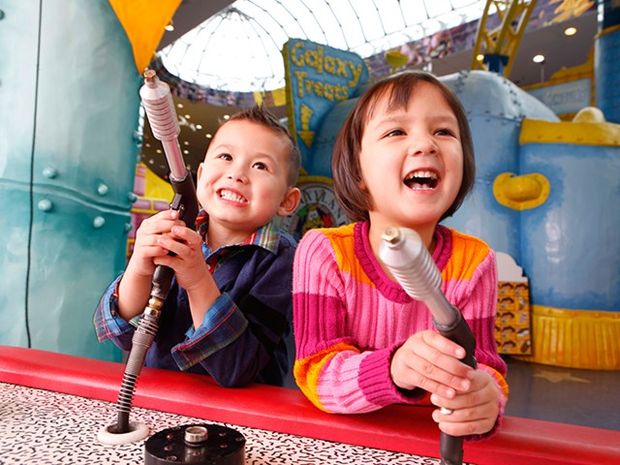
column 232, row 148
column 216, row 148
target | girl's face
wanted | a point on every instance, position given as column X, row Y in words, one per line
column 412, row 161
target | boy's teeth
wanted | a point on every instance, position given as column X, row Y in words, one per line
column 228, row 195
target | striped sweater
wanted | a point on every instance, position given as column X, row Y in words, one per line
column 350, row 317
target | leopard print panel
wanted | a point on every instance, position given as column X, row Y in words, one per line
column 40, row 427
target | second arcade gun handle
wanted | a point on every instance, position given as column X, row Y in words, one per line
column 157, row 100
column 404, row 254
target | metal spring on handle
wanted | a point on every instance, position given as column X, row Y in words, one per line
column 142, row 339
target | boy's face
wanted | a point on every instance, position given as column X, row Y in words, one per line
column 242, row 182
column 412, row 160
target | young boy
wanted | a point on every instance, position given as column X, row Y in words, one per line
column 228, row 311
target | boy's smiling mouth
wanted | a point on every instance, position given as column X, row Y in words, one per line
column 423, row 179
column 231, row 195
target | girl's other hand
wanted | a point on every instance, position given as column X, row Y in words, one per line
column 474, row 411
column 429, row 361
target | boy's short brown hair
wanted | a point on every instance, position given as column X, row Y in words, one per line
column 260, row 115
column 345, row 160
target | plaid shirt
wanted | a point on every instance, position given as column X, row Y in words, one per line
column 245, row 335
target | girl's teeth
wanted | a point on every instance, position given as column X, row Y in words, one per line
column 422, row 174
column 417, row 186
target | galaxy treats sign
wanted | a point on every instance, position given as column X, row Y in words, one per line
column 317, row 78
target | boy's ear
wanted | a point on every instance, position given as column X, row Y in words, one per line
column 290, row 202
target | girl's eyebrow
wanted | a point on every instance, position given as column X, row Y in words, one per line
column 445, row 117
column 398, row 117
column 390, row 118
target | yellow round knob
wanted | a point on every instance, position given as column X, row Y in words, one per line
column 521, row 192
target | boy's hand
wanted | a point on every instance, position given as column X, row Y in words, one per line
column 429, row 361
column 190, row 269
column 188, row 261
column 147, row 246
column 473, row 411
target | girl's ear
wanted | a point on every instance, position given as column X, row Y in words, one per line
column 290, row 202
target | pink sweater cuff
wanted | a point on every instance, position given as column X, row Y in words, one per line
column 376, row 382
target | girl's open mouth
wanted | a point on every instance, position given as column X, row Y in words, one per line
column 421, row 179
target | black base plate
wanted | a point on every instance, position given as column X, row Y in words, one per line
column 224, row 446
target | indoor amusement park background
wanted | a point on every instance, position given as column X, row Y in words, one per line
column 546, row 194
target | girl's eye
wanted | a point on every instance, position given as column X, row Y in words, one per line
column 225, row 156
column 444, row 132
column 260, row 165
column 395, row 132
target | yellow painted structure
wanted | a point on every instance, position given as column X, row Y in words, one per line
column 156, row 188
column 575, row 338
column 579, row 132
column 505, row 38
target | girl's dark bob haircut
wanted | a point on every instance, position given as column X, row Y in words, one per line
column 346, row 170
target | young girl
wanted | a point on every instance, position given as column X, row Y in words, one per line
column 404, row 157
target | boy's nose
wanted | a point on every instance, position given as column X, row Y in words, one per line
column 238, row 176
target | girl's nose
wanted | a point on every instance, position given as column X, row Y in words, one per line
column 423, row 145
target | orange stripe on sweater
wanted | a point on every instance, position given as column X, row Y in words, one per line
column 467, row 254
column 341, row 239
column 308, row 370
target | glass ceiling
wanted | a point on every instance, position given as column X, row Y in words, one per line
column 239, row 49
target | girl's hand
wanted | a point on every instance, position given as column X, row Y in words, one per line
column 147, row 247
column 474, row 411
column 429, row 361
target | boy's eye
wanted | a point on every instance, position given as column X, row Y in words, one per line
column 260, row 165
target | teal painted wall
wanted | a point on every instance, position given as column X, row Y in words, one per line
column 68, row 114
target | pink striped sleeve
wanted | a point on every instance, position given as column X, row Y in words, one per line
column 329, row 368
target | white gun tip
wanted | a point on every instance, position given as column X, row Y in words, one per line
column 391, row 235
column 150, row 77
